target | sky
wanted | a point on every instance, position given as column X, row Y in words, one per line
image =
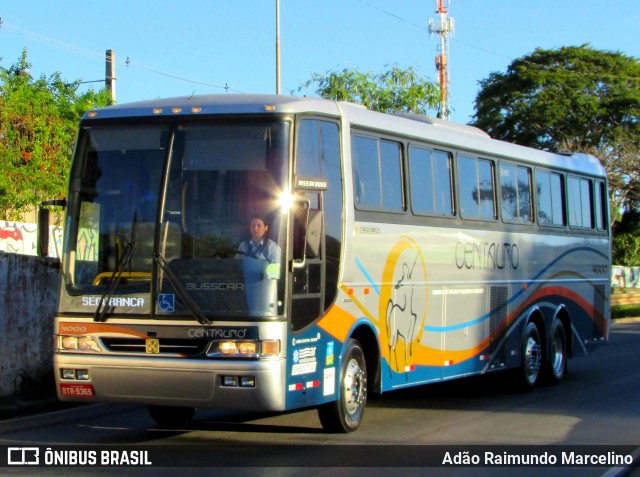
column 178, row 48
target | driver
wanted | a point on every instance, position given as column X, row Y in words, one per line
column 259, row 245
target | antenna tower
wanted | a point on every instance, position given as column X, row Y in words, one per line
column 443, row 27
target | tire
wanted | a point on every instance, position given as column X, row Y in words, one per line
column 170, row 416
column 556, row 366
column 531, row 352
column 345, row 414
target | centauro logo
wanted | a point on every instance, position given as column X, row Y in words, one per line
column 215, row 286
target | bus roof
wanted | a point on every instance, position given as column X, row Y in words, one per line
column 434, row 130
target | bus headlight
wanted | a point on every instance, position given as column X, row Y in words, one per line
column 244, row 348
column 78, row 343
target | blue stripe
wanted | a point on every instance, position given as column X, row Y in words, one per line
column 367, row 276
column 486, row 316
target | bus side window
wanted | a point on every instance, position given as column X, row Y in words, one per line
column 551, row 198
column 477, row 191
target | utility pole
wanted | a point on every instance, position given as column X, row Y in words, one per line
column 443, row 27
column 110, row 74
column 277, row 46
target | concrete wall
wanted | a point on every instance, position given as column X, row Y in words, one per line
column 28, row 296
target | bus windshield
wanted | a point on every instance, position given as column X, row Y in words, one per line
column 186, row 212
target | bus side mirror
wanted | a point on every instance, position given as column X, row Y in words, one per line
column 43, row 231
column 300, row 210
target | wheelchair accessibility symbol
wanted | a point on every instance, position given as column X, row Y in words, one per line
column 166, row 302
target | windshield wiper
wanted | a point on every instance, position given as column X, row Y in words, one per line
column 184, row 294
column 114, row 280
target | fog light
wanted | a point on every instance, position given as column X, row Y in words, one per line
column 82, row 374
column 68, row 373
column 231, row 381
column 247, row 382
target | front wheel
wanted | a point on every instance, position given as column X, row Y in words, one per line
column 345, row 414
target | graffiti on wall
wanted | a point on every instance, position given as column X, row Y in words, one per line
column 625, row 277
column 22, row 238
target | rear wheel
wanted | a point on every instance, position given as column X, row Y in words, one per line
column 529, row 372
column 345, row 414
column 556, row 367
column 170, row 416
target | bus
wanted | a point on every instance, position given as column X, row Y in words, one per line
column 407, row 250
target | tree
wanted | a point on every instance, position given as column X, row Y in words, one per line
column 38, row 122
column 575, row 98
column 392, row 91
column 626, row 246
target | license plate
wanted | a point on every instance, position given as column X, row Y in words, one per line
column 77, row 390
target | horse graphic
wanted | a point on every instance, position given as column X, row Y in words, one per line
column 405, row 309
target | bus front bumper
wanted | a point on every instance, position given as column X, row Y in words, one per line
column 224, row 384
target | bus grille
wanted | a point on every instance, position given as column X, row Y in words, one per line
column 185, row 347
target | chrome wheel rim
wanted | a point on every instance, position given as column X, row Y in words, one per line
column 533, row 359
column 354, row 387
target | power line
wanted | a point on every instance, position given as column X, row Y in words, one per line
column 425, row 28
column 485, row 50
column 92, row 54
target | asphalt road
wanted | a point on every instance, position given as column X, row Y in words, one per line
column 597, row 405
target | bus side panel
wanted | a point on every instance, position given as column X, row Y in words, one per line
column 448, row 303
column 313, row 366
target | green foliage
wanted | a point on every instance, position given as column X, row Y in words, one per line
column 626, row 240
column 38, row 122
column 626, row 249
column 392, row 91
column 572, row 98
column 573, row 94
column 625, row 311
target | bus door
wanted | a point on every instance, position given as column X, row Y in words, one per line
column 307, row 281
column 313, row 269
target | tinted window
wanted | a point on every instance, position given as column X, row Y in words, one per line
column 580, row 203
column 550, row 192
column 476, row 188
column 515, row 192
column 377, row 174
column 601, row 205
column 430, row 181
